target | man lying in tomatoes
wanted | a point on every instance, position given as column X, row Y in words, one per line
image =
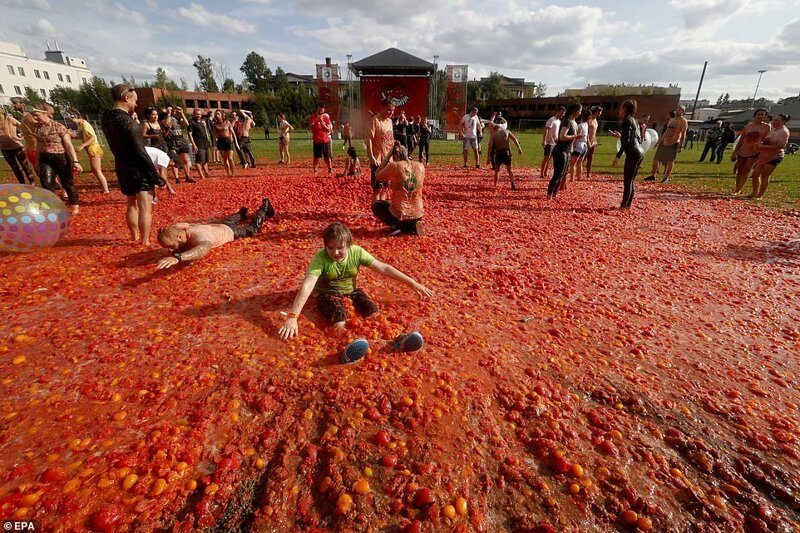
column 190, row 242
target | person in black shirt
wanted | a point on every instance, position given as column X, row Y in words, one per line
column 713, row 137
column 200, row 137
column 424, row 132
column 727, row 137
column 630, row 141
column 567, row 133
column 136, row 174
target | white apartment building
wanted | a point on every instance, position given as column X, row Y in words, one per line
column 17, row 71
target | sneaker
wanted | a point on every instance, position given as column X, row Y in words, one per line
column 650, row 178
column 477, row 166
column 419, row 228
column 665, row 180
column 465, row 165
column 409, row 343
column 266, row 204
column 354, row 351
column 243, row 212
column 191, row 180
column 394, row 231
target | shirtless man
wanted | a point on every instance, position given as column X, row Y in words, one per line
column 669, row 145
column 284, row 138
column 500, row 150
column 592, row 138
column 379, row 140
column 242, row 127
column 190, row 242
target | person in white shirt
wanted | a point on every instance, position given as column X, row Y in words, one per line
column 469, row 130
column 549, row 138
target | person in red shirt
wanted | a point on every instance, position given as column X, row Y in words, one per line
column 321, row 129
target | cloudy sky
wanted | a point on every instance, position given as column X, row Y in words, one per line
column 562, row 44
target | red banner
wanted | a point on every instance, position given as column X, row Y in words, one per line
column 409, row 94
column 328, row 89
column 455, row 103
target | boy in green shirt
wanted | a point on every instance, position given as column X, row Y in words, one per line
column 332, row 275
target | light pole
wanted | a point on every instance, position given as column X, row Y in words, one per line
column 760, row 73
column 349, row 90
column 435, row 103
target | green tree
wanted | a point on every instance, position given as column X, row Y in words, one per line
column 66, row 97
column 163, row 82
column 257, row 75
column 280, row 80
column 205, row 73
column 719, row 99
column 540, row 90
column 491, row 88
column 32, row 96
column 228, row 86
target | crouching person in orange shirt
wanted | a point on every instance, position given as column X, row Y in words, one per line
column 405, row 178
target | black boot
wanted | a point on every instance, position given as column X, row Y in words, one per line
column 264, row 212
column 267, row 205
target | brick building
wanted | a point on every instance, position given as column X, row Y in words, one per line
column 149, row 96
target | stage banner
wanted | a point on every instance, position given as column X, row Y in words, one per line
column 409, row 94
column 455, row 103
column 328, row 89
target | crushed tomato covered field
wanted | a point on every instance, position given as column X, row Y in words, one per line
column 584, row 368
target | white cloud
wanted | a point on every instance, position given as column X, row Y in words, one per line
column 43, row 27
column 35, row 4
column 699, row 13
column 200, row 15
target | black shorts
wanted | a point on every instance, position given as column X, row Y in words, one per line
column 201, row 156
column 225, row 144
column 331, row 308
column 501, row 157
column 322, row 150
column 548, row 150
column 775, row 162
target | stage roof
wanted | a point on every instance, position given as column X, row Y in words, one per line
column 392, row 61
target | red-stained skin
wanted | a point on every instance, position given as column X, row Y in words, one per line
column 582, row 367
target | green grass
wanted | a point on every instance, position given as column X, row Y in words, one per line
column 784, row 189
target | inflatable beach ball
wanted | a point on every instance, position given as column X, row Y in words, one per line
column 30, row 218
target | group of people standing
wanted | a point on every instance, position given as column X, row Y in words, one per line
column 209, row 137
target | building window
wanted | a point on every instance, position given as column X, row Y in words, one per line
column 60, row 77
column 10, row 70
column 69, row 80
column 17, row 89
column 21, row 71
column 37, row 73
column 44, row 94
column 46, row 75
